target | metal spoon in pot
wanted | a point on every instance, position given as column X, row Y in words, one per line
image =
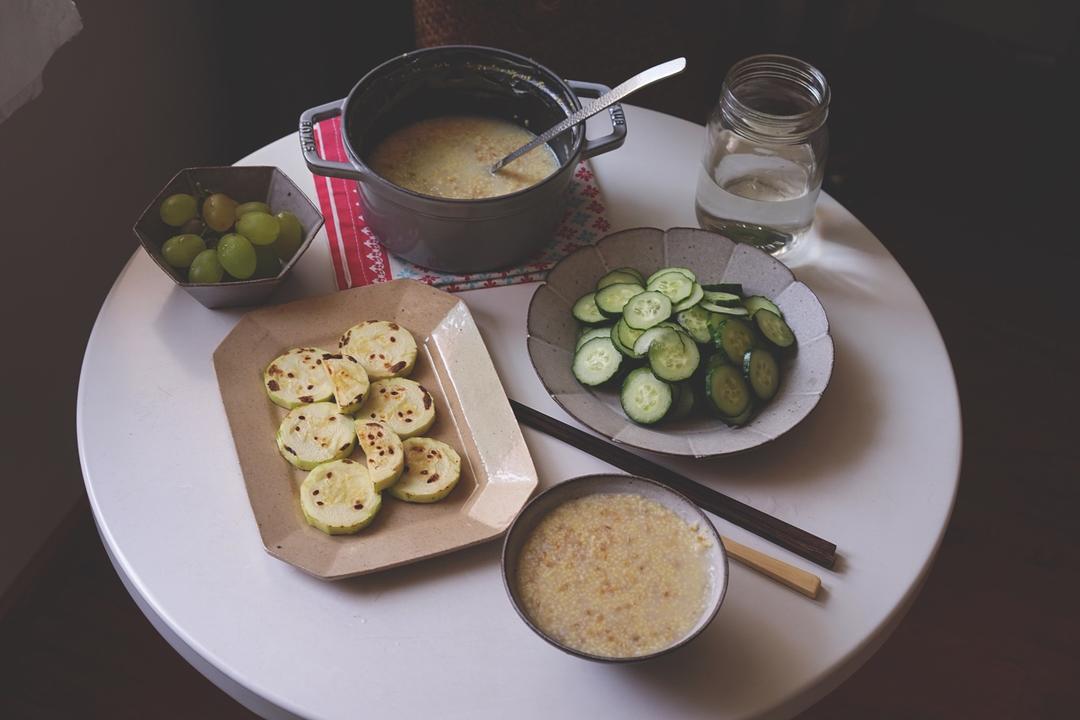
column 647, row 77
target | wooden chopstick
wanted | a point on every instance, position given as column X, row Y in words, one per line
column 773, row 529
column 795, row 578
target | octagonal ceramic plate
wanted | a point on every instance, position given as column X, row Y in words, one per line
column 714, row 258
column 472, row 415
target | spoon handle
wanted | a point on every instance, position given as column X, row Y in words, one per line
column 646, row 77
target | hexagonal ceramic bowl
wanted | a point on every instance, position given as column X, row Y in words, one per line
column 243, row 184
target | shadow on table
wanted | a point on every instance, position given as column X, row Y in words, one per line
column 723, row 671
column 182, row 326
column 431, row 571
column 833, row 437
column 840, row 227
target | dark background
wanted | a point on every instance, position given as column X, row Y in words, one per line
column 953, row 139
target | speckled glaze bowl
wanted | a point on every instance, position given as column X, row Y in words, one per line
column 715, row 259
column 545, row 502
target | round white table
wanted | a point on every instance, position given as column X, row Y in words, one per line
column 874, row 469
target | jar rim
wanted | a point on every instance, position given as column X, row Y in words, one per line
column 800, row 74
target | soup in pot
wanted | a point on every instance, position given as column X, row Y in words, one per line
column 451, row 157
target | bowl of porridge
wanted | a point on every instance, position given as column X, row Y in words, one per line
column 421, row 132
column 614, row 568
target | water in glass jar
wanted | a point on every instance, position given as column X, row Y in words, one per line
column 760, row 199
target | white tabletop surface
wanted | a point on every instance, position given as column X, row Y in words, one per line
column 873, row 469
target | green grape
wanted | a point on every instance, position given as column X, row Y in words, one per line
column 267, row 264
column 236, row 255
column 259, row 227
column 180, row 250
column 247, row 207
column 219, row 212
column 205, row 268
column 177, row 209
column 194, row 226
column 290, row 237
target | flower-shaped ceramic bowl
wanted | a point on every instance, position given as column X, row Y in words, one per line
column 715, row 259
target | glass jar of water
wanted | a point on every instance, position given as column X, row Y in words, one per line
column 765, row 149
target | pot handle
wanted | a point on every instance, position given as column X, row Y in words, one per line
column 317, row 165
column 617, row 136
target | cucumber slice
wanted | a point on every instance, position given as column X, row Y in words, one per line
column 683, row 404
column 405, row 406
column 674, row 284
column 646, row 310
column 727, row 391
column 736, row 337
column 349, row 379
column 314, row 434
column 622, row 275
column 432, row 470
column 759, row 302
column 696, row 322
column 596, row 361
column 721, row 298
column 696, row 296
column 685, row 271
column 627, row 350
column 593, row 332
column 761, row 369
column 740, row 419
column 297, row 378
column 733, row 288
column 672, row 326
column 382, row 452
column 642, row 344
column 586, row 311
column 627, row 335
column 645, row 398
column 673, row 356
column 716, row 326
column 339, row 498
column 384, row 348
column 774, row 328
column 612, row 299
column 737, row 311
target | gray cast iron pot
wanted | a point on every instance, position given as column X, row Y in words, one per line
column 463, row 236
